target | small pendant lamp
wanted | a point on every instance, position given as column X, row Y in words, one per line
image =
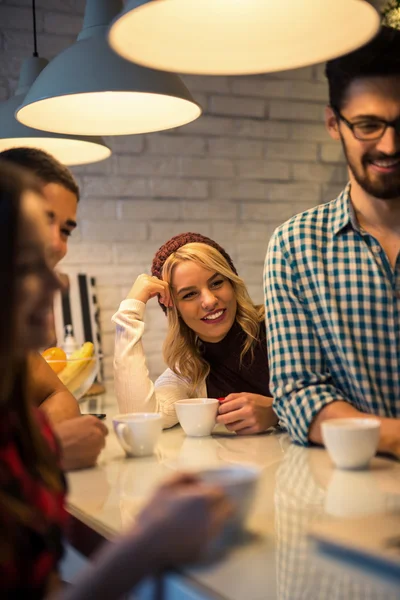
column 68, row 149
column 89, row 90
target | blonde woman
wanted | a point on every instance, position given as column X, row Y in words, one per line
column 215, row 345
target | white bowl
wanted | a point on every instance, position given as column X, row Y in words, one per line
column 87, row 370
column 351, row 442
column 197, row 415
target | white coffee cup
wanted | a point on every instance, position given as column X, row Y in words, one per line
column 138, row 433
column 351, row 442
column 197, row 415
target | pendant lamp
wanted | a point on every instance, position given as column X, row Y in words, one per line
column 69, row 150
column 239, row 37
column 90, row 90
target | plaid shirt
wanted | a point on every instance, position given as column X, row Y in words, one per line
column 333, row 317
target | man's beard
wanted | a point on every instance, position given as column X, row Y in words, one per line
column 383, row 186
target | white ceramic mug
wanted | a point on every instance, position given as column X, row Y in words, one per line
column 351, row 442
column 138, row 433
column 239, row 482
column 197, row 415
column 240, row 485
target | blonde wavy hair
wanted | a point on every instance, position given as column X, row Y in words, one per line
column 182, row 346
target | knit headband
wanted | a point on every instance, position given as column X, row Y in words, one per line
column 177, row 242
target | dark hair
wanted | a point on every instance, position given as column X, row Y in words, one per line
column 15, row 405
column 378, row 58
column 44, row 166
column 11, row 189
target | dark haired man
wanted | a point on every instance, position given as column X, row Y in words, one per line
column 332, row 274
column 82, row 438
column 60, row 191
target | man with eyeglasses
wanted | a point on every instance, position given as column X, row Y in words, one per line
column 332, row 274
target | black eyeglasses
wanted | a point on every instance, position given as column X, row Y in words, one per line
column 369, row 130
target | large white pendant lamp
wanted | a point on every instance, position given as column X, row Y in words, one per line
column 239, row 37
column 90, row 90
column 69, row 150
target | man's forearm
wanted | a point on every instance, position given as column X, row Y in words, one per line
column 46, row 391
column 60, row 406
column 334, row 410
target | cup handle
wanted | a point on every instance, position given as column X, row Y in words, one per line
column 121, row 431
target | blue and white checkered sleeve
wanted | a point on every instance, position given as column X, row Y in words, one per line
column 300, row 382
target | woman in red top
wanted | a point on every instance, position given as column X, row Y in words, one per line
column 32, row 485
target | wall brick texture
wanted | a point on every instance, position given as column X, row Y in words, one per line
column 258, row 155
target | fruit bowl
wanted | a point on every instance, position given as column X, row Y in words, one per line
column 77, row 372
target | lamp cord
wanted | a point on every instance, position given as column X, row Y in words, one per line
column 35, row 51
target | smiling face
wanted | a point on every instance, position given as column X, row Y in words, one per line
column 205, row 300
column 374, row 165
column 36, row 281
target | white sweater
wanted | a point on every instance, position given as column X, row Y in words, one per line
column 133, row 387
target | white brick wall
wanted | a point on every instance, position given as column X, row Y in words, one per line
column 258, row 155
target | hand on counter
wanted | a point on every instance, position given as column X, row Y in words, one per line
column 82, row 439
column 390, row 436
column 185, row 515
column 247, row 414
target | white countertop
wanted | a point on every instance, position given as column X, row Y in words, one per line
column 298, row 488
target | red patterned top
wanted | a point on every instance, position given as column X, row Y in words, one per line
column 30, row 545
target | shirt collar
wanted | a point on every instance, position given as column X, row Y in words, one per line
column 345, row 214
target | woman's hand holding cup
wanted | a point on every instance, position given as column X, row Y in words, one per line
column 247, row 414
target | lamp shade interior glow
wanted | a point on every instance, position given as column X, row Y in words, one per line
column 239, row 37
column 89, row 90
column 67, row 152
column 111, row 113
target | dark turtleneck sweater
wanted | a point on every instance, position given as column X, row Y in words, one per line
column 229, row 375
